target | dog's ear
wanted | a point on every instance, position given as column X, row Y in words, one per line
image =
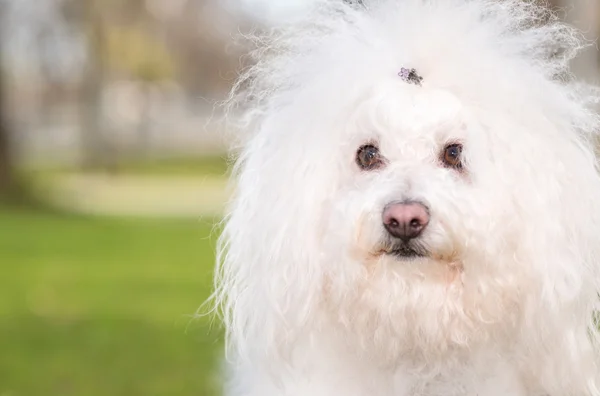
column 269, row 278
column 565, row 255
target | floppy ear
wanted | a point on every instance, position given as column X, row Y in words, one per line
column 566, row 257
column 268, row 277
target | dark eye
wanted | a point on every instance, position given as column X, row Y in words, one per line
column 452, row 156
column 368, row 157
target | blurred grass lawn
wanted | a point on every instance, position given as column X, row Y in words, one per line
column 212, row 165
column 99, row 306
column 206, row 165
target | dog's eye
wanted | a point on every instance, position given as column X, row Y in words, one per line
column 452, row 156
column 368, row 157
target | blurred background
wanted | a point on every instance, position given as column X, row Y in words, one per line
column 112, row 175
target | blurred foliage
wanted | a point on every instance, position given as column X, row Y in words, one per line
column 96, row 306
column 133, row 51
column 108, row 80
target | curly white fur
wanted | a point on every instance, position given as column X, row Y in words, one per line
column 505, row 303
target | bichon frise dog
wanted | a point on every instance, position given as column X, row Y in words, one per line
column 417, row 209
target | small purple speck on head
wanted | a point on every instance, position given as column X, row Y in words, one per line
column 410, row 76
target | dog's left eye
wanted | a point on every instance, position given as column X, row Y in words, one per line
column 452, row 156
column 368, row 157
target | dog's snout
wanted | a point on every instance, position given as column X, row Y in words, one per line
column 405, row 220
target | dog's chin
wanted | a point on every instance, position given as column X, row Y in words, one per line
column 415, row 259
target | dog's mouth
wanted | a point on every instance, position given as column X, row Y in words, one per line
column 405, row 251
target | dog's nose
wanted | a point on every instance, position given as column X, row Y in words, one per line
column 405, row 220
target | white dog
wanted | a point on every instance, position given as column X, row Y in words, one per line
column 417, row 208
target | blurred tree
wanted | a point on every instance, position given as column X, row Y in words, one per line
column 8, row 184
column 200, row 40
column 137, row 52
column 11, row 187
column 89, row 18
column 134, row 52
column 96, row 148
column 170, row 47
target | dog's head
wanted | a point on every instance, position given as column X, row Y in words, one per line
column 415, row 216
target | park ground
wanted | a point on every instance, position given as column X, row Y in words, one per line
column 98, row 293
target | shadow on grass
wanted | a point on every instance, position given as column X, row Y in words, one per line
column 29, row 196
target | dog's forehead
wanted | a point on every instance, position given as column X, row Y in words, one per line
column 419, row 108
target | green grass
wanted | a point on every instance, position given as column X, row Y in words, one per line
column 202, row 165
column 210, row 165
column 94, row 306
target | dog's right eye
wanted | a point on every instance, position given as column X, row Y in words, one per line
column 368, row 157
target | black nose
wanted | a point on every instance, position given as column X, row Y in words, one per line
column 405, row 221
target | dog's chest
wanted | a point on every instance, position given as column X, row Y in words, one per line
column 485, row 379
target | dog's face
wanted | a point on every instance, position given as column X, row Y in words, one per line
column 428, row 225
column 408, row 186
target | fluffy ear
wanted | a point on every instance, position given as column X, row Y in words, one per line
column 566, row 256
column 269, row 277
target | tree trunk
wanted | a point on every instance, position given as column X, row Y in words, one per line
column 8, row 181
column 96, row 150
column 7, row 168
